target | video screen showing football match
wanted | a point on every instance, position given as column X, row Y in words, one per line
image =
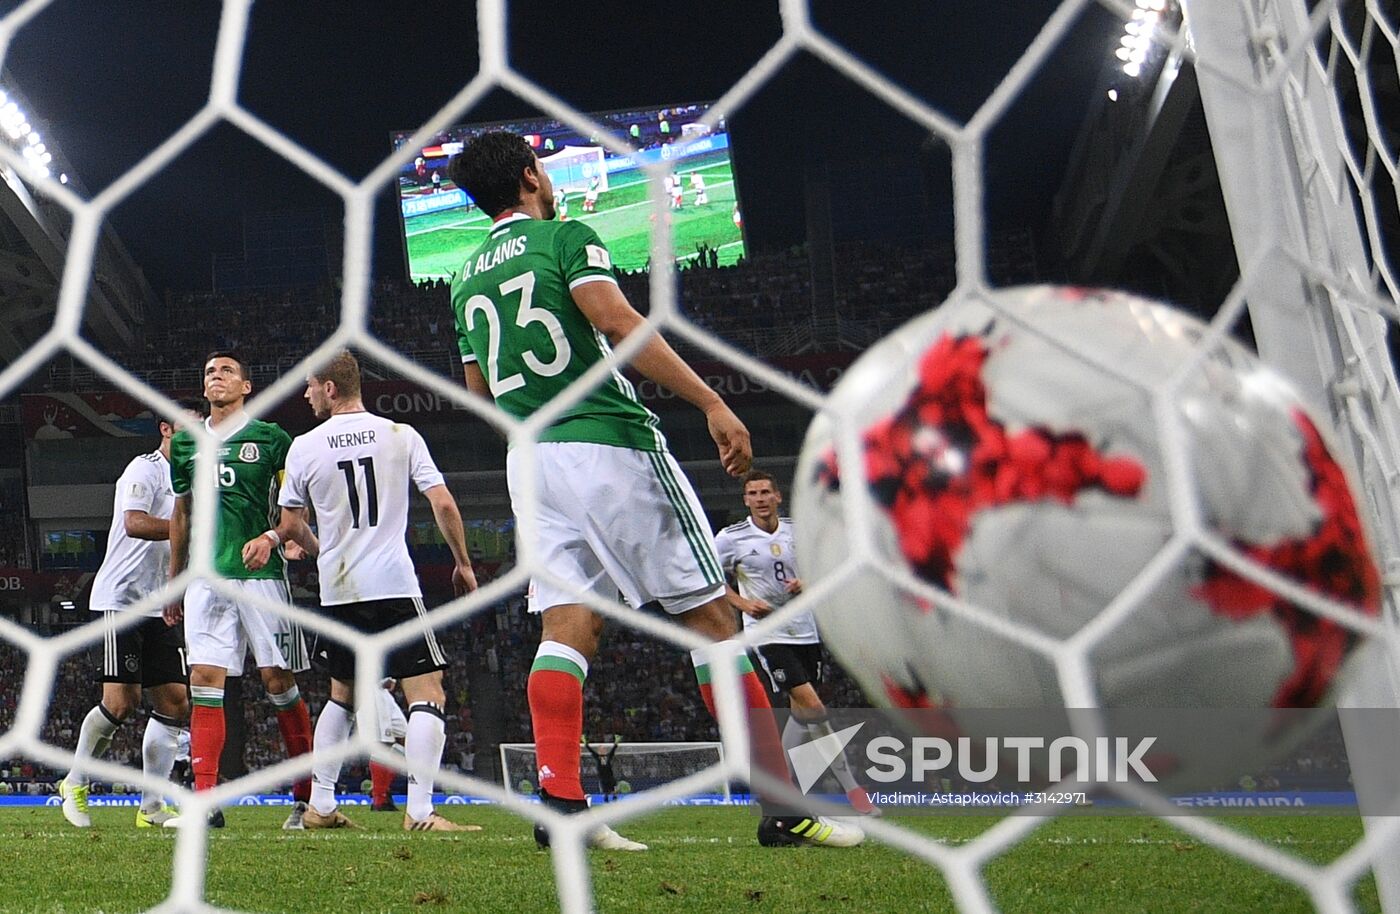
column 442, row 226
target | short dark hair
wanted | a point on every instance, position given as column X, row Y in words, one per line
column 229, row 354
column 343, row 369
column 489, row 169
column 197, row 405
column 758, row 476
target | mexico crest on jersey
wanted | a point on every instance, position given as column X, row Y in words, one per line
column 775, row 549
column 249, row 453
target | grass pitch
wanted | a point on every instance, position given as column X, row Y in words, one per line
column 702, row 859
column 439, row 242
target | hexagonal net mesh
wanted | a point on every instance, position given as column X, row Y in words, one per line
column 1298, row 77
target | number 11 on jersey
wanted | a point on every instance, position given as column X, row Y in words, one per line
column 353, row 492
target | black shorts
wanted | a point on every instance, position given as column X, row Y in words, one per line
column 787, row 666
column 149, row 653
column 414, row 658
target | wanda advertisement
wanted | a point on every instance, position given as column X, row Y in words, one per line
column 51, row 416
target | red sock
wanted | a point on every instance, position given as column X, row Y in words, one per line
column 763, row 730
column 556, row 713
column 206, row 744
column 295, row 724
column 382, row 779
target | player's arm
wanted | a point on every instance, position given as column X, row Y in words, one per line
column 608, row 310
column 756, row 607
column 291, row 528
column 728, row 553
column 449, row 522
column 136, row 496
column 476, row 381
column 291, row 531
column 179, row 531
column 142, row 526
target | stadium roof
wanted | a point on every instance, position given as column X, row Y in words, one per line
column 33, row 245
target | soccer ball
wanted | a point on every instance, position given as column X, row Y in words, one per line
column 1014, row 458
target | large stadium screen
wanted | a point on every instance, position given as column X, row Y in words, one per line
column 441, row 225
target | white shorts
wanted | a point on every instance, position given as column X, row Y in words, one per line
column 219, row 631
column 615, row 519
column 393, row 726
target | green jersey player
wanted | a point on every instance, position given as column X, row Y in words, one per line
column 536, row 306
column 220, row 627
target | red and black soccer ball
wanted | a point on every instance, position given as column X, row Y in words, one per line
column 1017, row 456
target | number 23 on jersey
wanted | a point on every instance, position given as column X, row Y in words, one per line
column 525, row 315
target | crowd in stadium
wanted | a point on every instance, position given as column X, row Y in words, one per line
column 877, row 285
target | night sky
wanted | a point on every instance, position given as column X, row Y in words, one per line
column 109, row 79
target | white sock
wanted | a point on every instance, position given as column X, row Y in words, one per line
column 94, row 738
column 839, row 766
column 332, row 728
column 794, row 733
column 158, row 748
column 427, row 734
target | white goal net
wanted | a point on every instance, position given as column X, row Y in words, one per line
column 1308, row 164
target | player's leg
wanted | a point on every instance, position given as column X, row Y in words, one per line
column 160, row 744
column 570, row 632
column 381, row 780
column 333, row 726
column 427, row 735
column 278, row 651
column 681, row 572
column 808, row 721
column 214, row 649
column 568, row 642
column 121, row 697
column 418, row 666
column 715, row 620
column 393, row 730
column 164, row 680
column 582, row 487
column 662, row 550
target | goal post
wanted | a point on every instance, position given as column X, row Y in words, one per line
column 636, row 766
column 1301, row 205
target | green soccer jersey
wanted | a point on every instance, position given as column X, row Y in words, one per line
column 250, row 473
column 516, row 317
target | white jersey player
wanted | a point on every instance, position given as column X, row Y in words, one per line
column 697, row 184
column 148, row 655
column 757, row 553
column 763, row 564
column 354, row 471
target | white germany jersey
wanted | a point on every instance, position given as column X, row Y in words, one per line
column 133, row 568
column 353, row 471
column 762, row 563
